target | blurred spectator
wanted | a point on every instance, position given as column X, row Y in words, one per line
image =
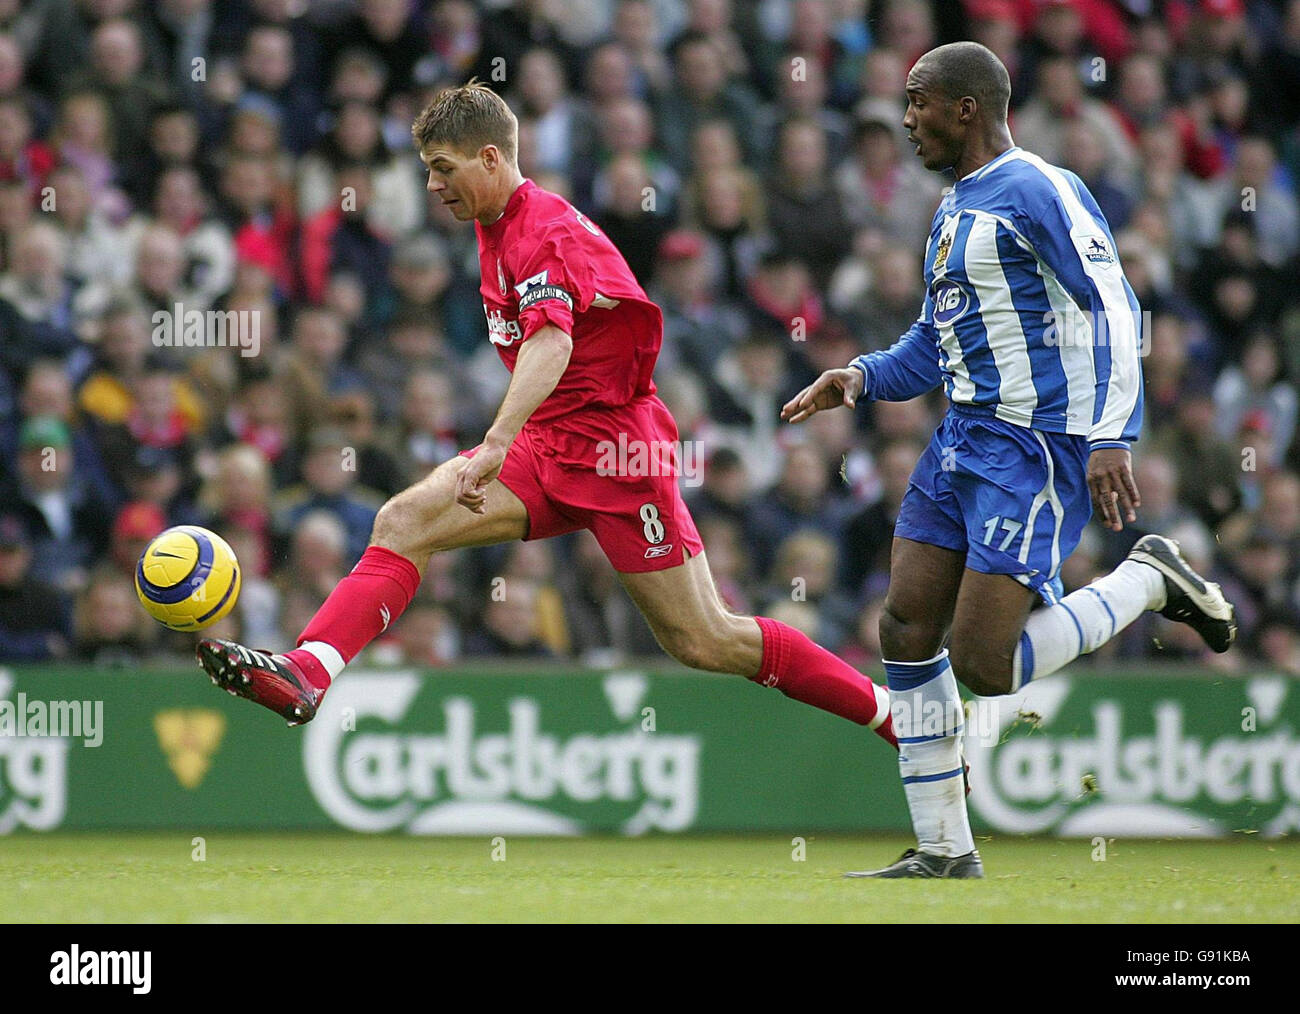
column 329, row 483
column 83, row 137
column 1083, row 152
column 804, row 211
column 862, row 649
column 36, row 284
column 1157, row 480
column 47, row 391
column 207, row 248
column 238, row 496
column 799, row 500
column 35, row 623
column 626, row 212
column 136, row 525
column 427, row 431
column 117, row 72
column 803, row 570
column 1209, row 468
column 700, row 323
column 1143, row 101
column 564, row 131
column 869, row 534
column 313, row 372
column 317, row 558
column 63, row 514
column 724, row 542
column 110, row 630
column 390, row 32
column 605, row 627
column 267, row 64
column 1060, row 101
column 891, row 301
column 1257, row 386
column 345, row 238
column 356, row 135
column 637, row 29
column 423, row 635
column 878, row 189
column 626, row 127
column 510, row 623
column 703, row 91
column 97, row 257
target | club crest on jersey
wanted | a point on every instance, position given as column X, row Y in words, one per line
column 941, row 255
column 1096, row 250
column 501, row 277
column 950, row 302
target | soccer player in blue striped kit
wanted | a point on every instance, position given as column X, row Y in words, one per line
column 1031, row 327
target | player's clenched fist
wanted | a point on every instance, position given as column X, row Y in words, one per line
column 1110, row 478
column 481, row 469
column 832, row 389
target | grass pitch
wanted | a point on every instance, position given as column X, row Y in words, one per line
column 333, row 877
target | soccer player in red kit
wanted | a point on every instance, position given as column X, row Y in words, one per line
column 580, row 339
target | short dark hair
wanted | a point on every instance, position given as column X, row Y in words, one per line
column 468, row 118
column 967, row 68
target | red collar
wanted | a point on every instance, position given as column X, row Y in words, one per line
column 494, row 230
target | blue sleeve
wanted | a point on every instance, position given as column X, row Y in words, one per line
column 907, row 369
column 1070, row 237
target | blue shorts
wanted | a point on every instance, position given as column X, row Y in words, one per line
column 1014, row 500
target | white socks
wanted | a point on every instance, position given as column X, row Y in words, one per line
column 326, row 654
column 927, row 714
column 1085, row 620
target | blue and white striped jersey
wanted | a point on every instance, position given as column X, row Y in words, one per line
column 1027, row 312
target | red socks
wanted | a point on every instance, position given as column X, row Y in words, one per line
column 359, row 609
column 807, row 672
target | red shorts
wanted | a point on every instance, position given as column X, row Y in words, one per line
column 611, row 470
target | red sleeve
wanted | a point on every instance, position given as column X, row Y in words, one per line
column 553, row 279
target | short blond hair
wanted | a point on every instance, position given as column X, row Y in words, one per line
column 468, row 118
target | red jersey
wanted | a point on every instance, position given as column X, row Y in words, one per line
column 544, row 262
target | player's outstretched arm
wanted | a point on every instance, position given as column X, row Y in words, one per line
column 541, row 363
column 832, row 389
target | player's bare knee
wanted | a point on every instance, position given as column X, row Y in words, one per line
column 388, row 527
column 404, row 523
column 904, row 641
column 983, row 672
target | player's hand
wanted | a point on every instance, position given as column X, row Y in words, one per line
column 479, row 471
column 831, row 390
column 1114, row 493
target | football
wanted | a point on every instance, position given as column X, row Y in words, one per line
column 187, row 578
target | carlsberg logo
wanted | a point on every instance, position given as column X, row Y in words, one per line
column 1158, row 770
column 463, row 779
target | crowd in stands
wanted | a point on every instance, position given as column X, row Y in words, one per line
column 253, row 158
